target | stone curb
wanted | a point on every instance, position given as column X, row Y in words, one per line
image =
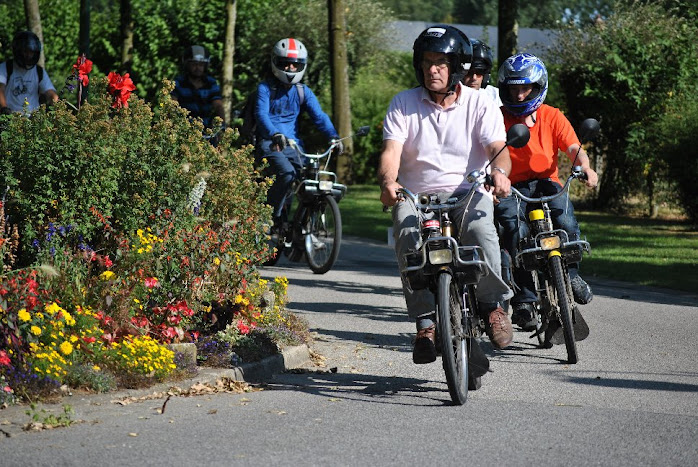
column 256, row 372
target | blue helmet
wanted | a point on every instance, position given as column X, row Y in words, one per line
column 523, row 68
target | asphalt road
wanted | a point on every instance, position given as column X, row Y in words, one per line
column 631, row 399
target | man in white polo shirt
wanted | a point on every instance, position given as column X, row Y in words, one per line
column 434, row 135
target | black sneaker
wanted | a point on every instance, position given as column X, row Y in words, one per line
column 424, row 348
column 524, row 317
column 581, row 290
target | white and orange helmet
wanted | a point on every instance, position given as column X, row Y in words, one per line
column 287, row 51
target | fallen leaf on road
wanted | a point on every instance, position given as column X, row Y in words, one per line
column 133, row 434
column 212, row 411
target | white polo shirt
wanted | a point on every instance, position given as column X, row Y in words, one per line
column 441, row 146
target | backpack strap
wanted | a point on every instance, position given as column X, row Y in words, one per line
column 301, row 92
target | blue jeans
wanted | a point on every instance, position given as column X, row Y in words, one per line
column 512, row 213
column 286, row 166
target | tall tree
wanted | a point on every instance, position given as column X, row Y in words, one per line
column 508, row 30
column 31, row 11
column 84, row 39
column 339, row 68
column 231, row 8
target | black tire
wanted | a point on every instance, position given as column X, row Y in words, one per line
column 323, row 235
column 454, row 343
column 559, row 278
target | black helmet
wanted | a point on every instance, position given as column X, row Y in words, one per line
column 482, row 60
column 448, row 40
column 196, row 53
column 23, row 41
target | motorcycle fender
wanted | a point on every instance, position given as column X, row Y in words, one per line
column 554, row 253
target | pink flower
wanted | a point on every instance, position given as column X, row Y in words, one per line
column 151, row 282
column 4, row 359
column 7, row 389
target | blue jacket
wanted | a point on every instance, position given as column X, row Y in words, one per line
column 278, row 108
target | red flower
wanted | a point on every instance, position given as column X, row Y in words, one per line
column 243, row 328
column 107, row 262
column 169, row 332
column 151, row 282
column 83, row 67
column 120, row 88
column 89, row 340
column 4, row 359
column 140, row 321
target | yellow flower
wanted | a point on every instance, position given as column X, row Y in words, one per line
column 106, row 275
column 36, row 330
column 66, row 348
column 73, row 338
column 23, row 315
column 96, row 368
column 216, row 261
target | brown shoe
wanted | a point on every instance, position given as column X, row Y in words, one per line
column 424, row 350
column 499, row 328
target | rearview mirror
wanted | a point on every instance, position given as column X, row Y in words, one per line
column 362, row 131
column 518, row 135
column 589, row 129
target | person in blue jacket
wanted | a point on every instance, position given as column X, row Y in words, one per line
column 280, row 100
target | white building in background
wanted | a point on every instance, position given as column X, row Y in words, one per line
column 535, row 41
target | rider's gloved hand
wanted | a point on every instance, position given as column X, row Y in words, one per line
column 339, row 147
column 279, row 140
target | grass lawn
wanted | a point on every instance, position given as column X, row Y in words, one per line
column 653, row 252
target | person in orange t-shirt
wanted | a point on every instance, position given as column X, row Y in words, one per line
column 523, row 85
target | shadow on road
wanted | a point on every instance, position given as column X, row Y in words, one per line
column 367, row 388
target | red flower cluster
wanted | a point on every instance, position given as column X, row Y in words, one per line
column 4, row 359
column 120, row 87
column 83, row 66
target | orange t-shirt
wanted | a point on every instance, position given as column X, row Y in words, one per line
column 538, row 159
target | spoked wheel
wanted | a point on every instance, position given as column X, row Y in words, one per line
column 323, row 235
column 454, row 343
column 564, row 299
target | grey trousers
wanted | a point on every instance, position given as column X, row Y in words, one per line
column 477, row 229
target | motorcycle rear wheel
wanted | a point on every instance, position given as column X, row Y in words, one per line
column 564, row 302
column 453, row 338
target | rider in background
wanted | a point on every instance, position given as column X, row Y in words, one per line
column 433, row 136
column 197, row 91
column 523, row 85
column 277, row 113
column 24, row 84
column 478, row 77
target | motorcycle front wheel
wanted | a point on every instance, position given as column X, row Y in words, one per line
column 453, row 339
column 564, row 302
column 323, row 235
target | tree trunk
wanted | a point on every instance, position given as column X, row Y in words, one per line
column 31, row 12
column 228, row 59
column 126, row 37
column 341, row 107
column 508, row 29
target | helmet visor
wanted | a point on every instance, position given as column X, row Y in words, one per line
column 283, row 63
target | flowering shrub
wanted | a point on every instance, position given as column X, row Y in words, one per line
column 125, row 228
column 141, row 356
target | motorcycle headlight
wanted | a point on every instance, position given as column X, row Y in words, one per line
column 550, row 243
column 440, row 256
column 325, row 185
